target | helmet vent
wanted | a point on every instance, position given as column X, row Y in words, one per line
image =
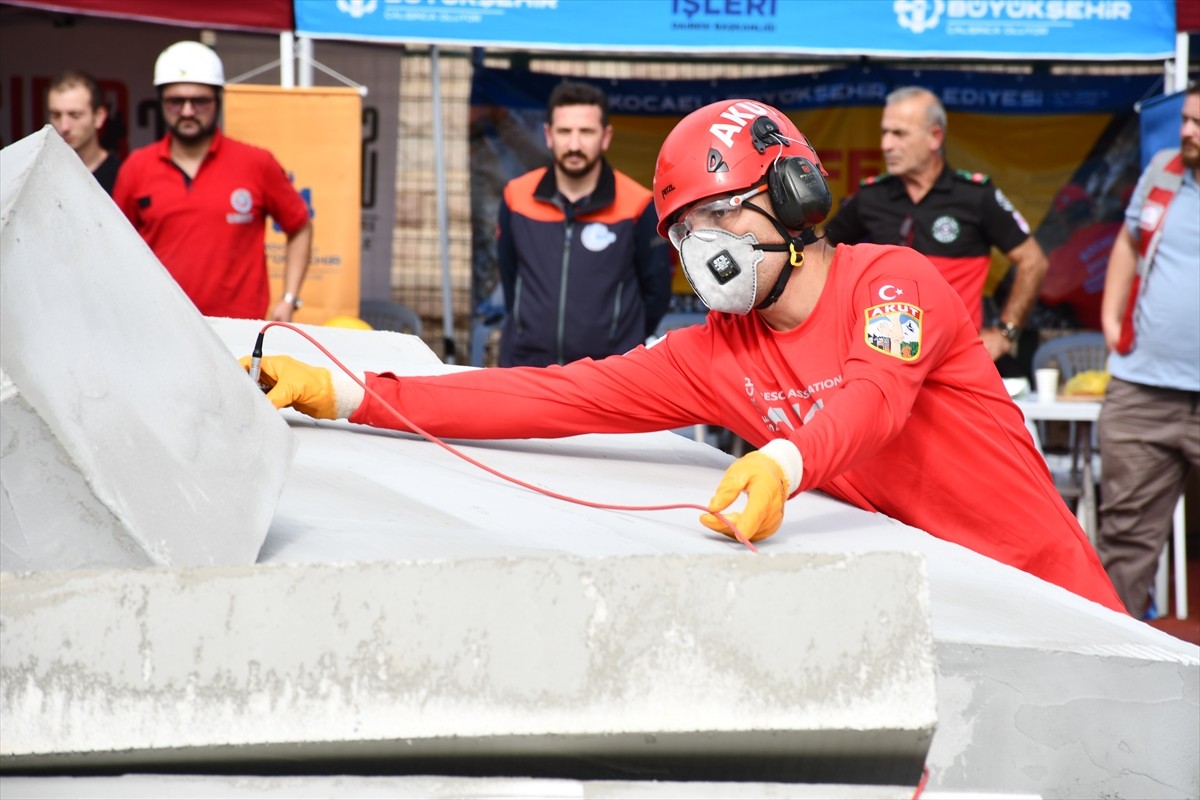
column 716, row 162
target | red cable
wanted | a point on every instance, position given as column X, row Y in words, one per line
column 491, row 470
column 921, row 784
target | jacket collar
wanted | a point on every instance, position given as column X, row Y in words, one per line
column 601, row 197
column 945, row 179
column 944, row 182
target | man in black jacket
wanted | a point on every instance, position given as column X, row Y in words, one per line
column 584, row 272
column 954, row 217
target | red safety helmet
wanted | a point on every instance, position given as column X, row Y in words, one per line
column 732, row 145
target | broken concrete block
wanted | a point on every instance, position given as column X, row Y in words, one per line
column 130, row 434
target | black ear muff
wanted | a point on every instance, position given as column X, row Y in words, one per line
column 799, row 192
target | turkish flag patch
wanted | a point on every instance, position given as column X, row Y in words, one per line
column 895, row 290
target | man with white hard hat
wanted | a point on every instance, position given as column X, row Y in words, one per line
column 201, row 199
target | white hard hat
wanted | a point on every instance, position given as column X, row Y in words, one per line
column 189, row 62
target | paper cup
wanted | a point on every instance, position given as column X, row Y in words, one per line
column 1047, row 385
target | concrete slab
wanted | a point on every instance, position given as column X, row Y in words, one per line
column 1039, row 691
column 57, row 518
column 718, row 667
column 130, row 436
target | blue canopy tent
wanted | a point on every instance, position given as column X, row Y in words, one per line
column 1055, row 31
column 1099, row 30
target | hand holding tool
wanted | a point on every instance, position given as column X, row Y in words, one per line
column 306, row 388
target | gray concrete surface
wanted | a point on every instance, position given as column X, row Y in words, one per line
column 128, row 434
column 717, row 667
column 48, row 512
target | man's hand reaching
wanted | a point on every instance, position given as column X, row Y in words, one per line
column 308, row 389
column 767, row 476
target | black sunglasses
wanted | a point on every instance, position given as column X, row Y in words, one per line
column 198, row 103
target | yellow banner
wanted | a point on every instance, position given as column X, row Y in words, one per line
column 316, row 134
column 1028, row 156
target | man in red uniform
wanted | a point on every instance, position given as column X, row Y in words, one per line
column 855, row 369
column 200, row 200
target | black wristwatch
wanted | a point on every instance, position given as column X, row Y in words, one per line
column 1010, row 331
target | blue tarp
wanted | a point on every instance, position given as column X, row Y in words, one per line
column 975, row 29
column 1159, row 124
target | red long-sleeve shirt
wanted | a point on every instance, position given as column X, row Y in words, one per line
column 885, row 389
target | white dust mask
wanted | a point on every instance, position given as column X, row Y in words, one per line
column 722, row 268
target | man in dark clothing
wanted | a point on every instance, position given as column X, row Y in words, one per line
column 953, row 217
column 584, row 272
column 78, row 113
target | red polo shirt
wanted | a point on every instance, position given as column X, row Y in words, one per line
column 208, row 231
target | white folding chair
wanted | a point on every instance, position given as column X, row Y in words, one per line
column 1177, row 554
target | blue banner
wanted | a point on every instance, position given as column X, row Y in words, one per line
column 983, row 92
column 1159, row 124
column 979, row 29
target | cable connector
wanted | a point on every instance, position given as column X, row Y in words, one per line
column 256, row 360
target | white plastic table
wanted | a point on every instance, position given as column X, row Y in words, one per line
column 1084, row 412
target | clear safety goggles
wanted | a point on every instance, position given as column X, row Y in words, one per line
column 713, row 214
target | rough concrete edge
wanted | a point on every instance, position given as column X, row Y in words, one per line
column 1063, row 766
column 14, row 182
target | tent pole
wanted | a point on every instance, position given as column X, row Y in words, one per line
column 305, row 77
column 443, row 232
column 287, row 60
column 1181, row 61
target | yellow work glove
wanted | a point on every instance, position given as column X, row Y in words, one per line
column 308, row 389
column 767, row 476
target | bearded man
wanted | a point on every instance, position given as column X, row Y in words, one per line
column 584, row 272
column 201, row 199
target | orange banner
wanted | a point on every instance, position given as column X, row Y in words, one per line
column 316, row 134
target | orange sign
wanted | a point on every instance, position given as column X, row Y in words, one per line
column 316, row 134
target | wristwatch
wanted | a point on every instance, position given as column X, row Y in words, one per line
column 294, row 300
column 1010, row 331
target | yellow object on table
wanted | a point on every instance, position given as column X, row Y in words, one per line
column 1089, row 383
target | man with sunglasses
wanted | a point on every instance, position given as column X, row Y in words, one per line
column 201, row 199
column 855, row 369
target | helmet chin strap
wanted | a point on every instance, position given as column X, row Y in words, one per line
column 793, row 246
